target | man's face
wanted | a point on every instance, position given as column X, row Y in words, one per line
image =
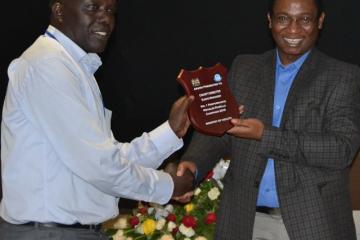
column 88, row 23
column 295, row 27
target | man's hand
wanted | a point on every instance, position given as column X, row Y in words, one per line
column 250, row 128
column 182, row 168
column 178, row 119
column 182, row 183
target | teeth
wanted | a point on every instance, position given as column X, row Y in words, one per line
column 101, row 33
column 293, row 41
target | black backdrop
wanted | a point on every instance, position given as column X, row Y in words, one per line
column 153, row 40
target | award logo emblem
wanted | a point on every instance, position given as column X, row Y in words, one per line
column 214, row 105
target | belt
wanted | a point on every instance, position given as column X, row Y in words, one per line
column 93, row 227
column 268, row 210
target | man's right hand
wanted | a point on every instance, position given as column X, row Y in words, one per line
column 183, row 167
column 183, row 183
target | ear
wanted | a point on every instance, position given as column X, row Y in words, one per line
column 269, row 19
column 57, row 11
column 321, row 20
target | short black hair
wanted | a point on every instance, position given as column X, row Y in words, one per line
column 318, row 3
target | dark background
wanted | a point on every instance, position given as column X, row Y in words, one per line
column 153, row 40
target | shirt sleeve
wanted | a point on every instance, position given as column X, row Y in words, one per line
column 145, row 150
column 53, row 96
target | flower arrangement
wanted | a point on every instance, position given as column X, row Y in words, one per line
column 192, row 221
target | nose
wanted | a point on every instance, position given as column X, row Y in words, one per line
column 105, row 16
column 294, row 26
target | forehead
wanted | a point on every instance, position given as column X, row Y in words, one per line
column 294, row 6
column 98, row 2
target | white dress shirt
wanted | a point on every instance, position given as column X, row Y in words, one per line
column 60, row 162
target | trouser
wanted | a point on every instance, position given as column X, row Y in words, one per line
column 24, row 232
column 269, row 226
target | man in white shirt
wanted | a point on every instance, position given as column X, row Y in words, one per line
column 62, row 170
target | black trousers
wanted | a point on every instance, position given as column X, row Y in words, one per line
column 23, row 232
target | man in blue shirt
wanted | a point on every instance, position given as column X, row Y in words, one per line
column 291, row 149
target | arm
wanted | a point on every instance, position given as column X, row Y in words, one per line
column 333, row 146
column 59, row 111
column 162, row 141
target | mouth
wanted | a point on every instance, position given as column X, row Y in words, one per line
column 102, row 35
column 293, row 42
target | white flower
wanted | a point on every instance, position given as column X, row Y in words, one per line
column 197, row 191
column 139, row 229
column 121, row 223
column 150, row 210
column 167, row 237
column 171, row 225
column 187, row 239
column 160, row 223
column 169, row 208
column 214, row 193
column 161, row 213
column 188, row 232
column 119, row 235
column 200, row 238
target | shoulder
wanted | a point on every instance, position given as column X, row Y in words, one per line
column 332, row 67
column 44, row 55
column 45, row 60
column 254, row 59
column 42, row 50
column 251, row 66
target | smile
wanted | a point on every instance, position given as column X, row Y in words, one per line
column 293, row 42
column 101, row 34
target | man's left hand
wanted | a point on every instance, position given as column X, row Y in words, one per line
column 250, row 128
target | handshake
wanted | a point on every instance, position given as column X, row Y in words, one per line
column 182, row 184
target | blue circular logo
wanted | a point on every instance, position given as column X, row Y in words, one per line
column 217, row 77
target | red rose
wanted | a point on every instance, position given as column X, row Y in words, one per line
column 143, row 210
column 171, row 217
column 189, row 221
column 134, row 221
column 174, row 231
column 210, row 218
column 209, row 175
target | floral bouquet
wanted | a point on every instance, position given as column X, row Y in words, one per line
column 193, row 221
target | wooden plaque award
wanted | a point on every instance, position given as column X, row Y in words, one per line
column 214, row 105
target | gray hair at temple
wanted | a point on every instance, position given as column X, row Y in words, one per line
column 318, row 4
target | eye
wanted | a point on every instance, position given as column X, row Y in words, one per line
column 111, row 11
column 306, row 20
column 283, row 20
column 92, row 7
